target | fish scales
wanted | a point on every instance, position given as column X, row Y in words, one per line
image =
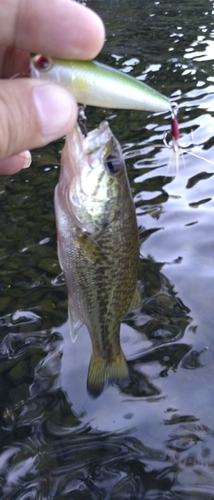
column 99, row 259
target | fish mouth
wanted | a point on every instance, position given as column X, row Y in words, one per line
column 97, row 137
column 101, row 129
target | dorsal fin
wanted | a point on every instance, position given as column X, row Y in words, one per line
column 136, row 302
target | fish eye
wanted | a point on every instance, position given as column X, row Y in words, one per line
column 112, row 164
column 42, row 63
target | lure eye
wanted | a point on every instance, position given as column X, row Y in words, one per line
column 42, row 63
column 112, row 164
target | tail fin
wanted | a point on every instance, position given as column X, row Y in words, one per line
column 101, row 371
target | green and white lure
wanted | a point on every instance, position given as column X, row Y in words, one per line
column 95, row 84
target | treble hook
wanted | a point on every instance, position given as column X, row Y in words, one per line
column 174, row 130
column 82, row 119
column 175, row 145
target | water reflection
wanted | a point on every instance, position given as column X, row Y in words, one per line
column 48, row 451
column 51, row 449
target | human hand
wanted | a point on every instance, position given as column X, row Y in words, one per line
column 32, row 112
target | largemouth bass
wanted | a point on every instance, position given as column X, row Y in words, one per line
column 97, row 247
column 96, row 84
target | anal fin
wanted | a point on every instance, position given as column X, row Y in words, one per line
column 74, row 321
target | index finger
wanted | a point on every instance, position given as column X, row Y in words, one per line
column 60, row 28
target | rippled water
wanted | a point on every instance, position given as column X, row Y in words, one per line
column 154, row 439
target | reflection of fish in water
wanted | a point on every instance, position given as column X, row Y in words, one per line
column 97, row 247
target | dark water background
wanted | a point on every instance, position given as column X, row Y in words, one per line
column 153, row 440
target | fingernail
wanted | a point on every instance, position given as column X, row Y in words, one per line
column 26, row 155
column 55, row 108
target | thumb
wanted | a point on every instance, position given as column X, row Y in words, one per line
column 15, row 163
column 33, row 113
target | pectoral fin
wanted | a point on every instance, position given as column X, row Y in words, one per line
column 74, row 321
column 136, row 302
column 59, row 253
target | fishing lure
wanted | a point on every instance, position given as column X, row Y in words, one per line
column 175, row 146
column 95, row 84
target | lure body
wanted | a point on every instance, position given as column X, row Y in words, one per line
column 96, row 84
